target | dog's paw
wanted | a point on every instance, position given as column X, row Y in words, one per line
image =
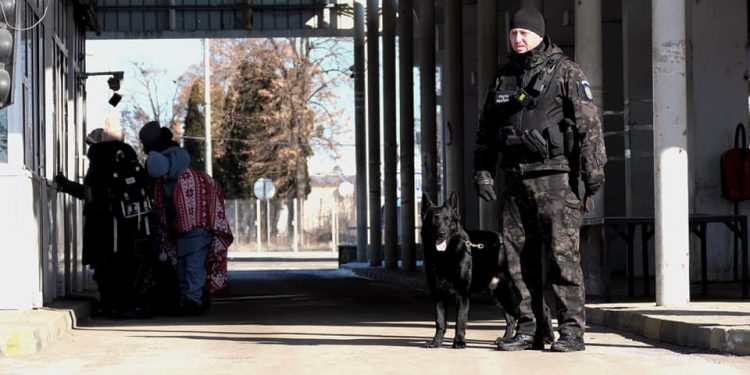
column 459, row 345
column 432, row 344
column 499, row 340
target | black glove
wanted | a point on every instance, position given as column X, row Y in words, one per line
column 483, row 183
column 591, row 189
column 61, row 181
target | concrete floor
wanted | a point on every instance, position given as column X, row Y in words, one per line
column 316, row 319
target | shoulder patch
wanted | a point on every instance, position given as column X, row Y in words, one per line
column 586, row 90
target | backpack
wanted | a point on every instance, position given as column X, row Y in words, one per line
column 129, row 188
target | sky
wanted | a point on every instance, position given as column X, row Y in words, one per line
column 176, row 56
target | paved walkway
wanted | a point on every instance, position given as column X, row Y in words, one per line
column 719, row 326
column 330, row 321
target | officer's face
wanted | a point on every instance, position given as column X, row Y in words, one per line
column 524, row 40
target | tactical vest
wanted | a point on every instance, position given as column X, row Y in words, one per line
column 531, row 126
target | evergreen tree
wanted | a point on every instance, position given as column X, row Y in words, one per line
column 193, row 135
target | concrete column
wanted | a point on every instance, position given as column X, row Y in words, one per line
column 427, row 98
column 406, row 101
column 453, row 93
column 588, row 54
column 489, row 213
column 373, row 127
column 360, row 139
column 638, row 108
column 390, row 151
column 670, row 153
column 207, row 103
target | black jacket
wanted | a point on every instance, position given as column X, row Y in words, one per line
column 103, row 234
column 568, row 96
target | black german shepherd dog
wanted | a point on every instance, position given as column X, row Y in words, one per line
column 458, row 263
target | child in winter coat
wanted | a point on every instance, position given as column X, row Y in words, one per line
column 195, row 233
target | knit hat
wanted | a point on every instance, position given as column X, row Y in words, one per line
column 150, row 132
column 529, row 19
column 157, row 164
column 94, row 136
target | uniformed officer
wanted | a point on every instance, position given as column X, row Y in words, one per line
column 539, row 115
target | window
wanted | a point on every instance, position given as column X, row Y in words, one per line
column 32, row 60
column 4, row 135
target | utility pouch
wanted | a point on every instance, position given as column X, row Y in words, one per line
column 510, row 137
column 569, row 136
column 535, row 143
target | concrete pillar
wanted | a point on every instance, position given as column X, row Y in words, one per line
column 453, row 93
column 208, row 157
column 427, row 98
column 638, row 133
column 588, row 54
column 406, row 101
column 638, row 108
column 670, row 152
column 360, row 139
column 390, row 151
column 489, row 213
column 373, row 127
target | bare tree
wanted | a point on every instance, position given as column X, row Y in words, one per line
column 148, row 102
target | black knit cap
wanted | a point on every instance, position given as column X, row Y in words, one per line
column 529, row 19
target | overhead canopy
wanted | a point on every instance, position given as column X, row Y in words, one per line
column 143, row 19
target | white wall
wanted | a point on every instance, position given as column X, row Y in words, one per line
column 717, row 102
column 20, row 277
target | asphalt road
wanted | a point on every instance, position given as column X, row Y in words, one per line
column 319, row 320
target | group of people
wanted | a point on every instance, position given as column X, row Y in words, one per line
column 156, row 237
column 539, row 115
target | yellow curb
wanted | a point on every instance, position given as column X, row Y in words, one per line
column 24, row 333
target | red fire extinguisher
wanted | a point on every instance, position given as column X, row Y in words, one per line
column 735, row 168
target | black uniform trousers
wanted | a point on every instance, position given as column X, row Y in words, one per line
column 541, row 219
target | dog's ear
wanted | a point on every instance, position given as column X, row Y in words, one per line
column 452, row 201
column 426, row 203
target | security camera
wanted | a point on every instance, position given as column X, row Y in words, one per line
column 114, row 83
column 115, row 99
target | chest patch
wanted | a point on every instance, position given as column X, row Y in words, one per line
column 502, row 98
column 505, row 90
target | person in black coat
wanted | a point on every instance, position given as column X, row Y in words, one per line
column 114, row 246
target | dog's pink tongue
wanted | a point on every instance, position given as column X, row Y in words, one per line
column 442, row 245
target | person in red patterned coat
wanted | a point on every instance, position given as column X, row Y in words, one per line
column 194, row 231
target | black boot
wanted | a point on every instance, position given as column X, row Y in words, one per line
column 520, row 341
column 568, row 343
column 190, row 308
